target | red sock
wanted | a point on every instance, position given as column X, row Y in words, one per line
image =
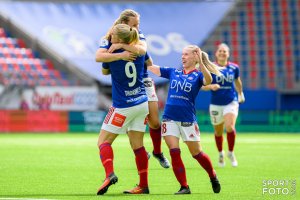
column 178, row 167
column 141, row 160
column 107, row 157
column 155, row 135
column 219, row 142
column 231, row 140
column 205, row 162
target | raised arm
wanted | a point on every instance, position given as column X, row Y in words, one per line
column 139, row 49
column 155, row 69
column 102, row 55
column 207, row 76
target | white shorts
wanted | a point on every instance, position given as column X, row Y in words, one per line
column 122, row 120
column 150, row 89
column 217, row 112
column 189, row 131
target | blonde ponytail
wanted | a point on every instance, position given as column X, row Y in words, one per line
column 212, row 68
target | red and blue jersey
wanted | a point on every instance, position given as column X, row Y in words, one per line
column 183, row 90
column 226, row 93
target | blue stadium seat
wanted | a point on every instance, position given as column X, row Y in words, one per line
column 279, row 53
column 296, row 42
column 297, row 53
column 262, row 62
column 275, row 5
column 242, row 14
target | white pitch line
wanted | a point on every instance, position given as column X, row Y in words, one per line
column 23, row 198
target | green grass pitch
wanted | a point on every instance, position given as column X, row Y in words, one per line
column 67, row 166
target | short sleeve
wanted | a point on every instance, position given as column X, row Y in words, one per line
column 141, row 36
column 166, row 72
column 147, row 56
column 105, row 65
column 104, row 43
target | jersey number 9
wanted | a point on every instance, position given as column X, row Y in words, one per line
column 130, row 72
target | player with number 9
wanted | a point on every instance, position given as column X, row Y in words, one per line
column 132, row 18
column 129, row 109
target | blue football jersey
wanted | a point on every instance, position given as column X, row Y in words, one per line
column 183, row 90
column 226, row 94
column 145, row 65
column 127, row 82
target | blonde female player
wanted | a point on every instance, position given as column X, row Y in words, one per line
column 132, row 18
column 128, row 111
column 179, row 118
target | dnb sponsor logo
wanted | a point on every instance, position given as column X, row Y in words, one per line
column 279, row 187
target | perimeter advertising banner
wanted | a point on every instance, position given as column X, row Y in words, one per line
column 33, row 121
column 62, row 98
column 79, row 122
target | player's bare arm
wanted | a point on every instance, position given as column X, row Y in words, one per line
column 155, row 69
column 213, row 87
column 149, row 62
column 207, row 76
column 103, row 56
column 138, row 49
column 239, row 89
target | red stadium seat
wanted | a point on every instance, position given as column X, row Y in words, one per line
column 2, row 32
column 20, row 43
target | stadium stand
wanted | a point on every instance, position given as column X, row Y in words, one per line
column 19, row 66
column 54, row 52
column 264, row 37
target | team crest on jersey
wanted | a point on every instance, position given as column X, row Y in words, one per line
column 141, row 35
column 190, row 78
column 104, row 42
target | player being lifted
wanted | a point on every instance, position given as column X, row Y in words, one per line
column 129, row 109
column 225, row 101
column 132, row 18
column 179, row 118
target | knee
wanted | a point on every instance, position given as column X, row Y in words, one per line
column 154, row 123
column 218, row 133
column 99, row 143
column 135, row 144
column 230, row 128
column 195, row 152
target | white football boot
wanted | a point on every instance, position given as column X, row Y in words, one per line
column 222, row 159
column 232, row 158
